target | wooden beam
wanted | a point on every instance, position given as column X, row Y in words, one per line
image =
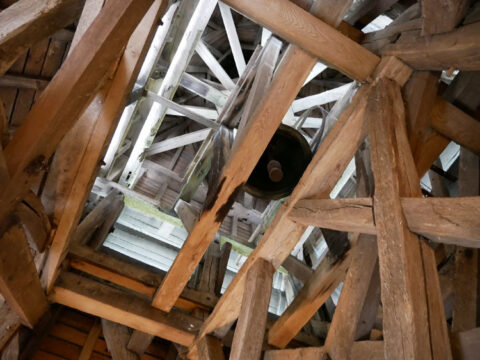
column 313, row 295
column 26, row 22
column 23, row 82
column 12, row 349
column 361, row 350
column 116, row 336
column 466, row 344
column 448, row 220
column 89, row 345
column 406, row 296
column 9, row 325
column 132, row 277
column 319, row 179
column 459, row 49
column 246, row 151
column 178, row 141
column 139, row 342
column 19, row 282
column 250, row 329
column 102, row 122
column 456, row 125
column 298, row 27
column 210, row 348
column 115, row 305
column 442, row 17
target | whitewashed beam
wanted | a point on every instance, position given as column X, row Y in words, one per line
column 202, row 111
column 204, row 90
column 213, row 64
column 265, row 36
column 233, row 38
column 178, row 141
column 320, row 99
column 186, row 48
column 182, row 110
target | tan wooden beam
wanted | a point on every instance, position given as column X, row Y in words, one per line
column 116, row 336
column 132, row 277
column 361, row 350
column 89, row 345
column 442, row 17
column 448, row 220
column 139, row 342
column 313, row 295
column 102, row 121
column 115, row 305
column 458, row 49
column 298, row 27
column 456, row 125
column 210, row 348
column 409, row 292
column 26, row 22
column 19, row 282
column 250, row 330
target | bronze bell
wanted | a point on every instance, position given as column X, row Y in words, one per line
column 281, row 166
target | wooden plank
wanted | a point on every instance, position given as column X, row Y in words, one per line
column 132, row 277
column 298, row 27
column 139, row 342
column 89, row 345
column 456, row 125
column 116, row 336
column 26, row 23
column 250, row 329
column 406, row 304
column 111, row 217
column 246, row 151
column 178, row 141
column 222, row 267
column 361, row 350
column 331, row 159
column 210, row 348
column 313, row 295
column 466, row 260
column 342, row 331
column 12, row 349
column 458, row 49
column 9, row 325
column 115, row 305
column 19, row 282
column 23, row 82
column 102, row 124
column 442, row 17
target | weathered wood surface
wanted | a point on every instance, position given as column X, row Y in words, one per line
column 466, row 344
column 116, row 336
column 458, row 49
column 298, row 27
column 444, row 16
column 412, row 315
column 361, row 350
column 9, row 325
column 19, row 282
column 103, row 123
column 115, row 305
column 27, row 22
column 250, row 330
column 139, row 342
column 210, row 348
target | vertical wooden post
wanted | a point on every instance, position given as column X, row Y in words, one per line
column 210, row 348
column 250, row 331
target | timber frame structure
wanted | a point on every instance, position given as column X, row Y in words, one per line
column 91, row 96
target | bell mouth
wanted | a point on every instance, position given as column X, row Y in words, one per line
column 281, row 165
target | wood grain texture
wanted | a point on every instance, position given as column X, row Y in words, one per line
column 442, row 16
column 458, row 49
column 210, row 348
column 250, row 330
column 298, row 27
column 116, row 336
column 139, row 342
column 115, row 305
column 26, row 22
column 19, row 282
column 9, row 325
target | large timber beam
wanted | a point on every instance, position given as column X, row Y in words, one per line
column 315, row 36
column 101, row 122
column 26, row 22
column 414, row 322
column 121, row 307
column 459, row 49
column 449, row 220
